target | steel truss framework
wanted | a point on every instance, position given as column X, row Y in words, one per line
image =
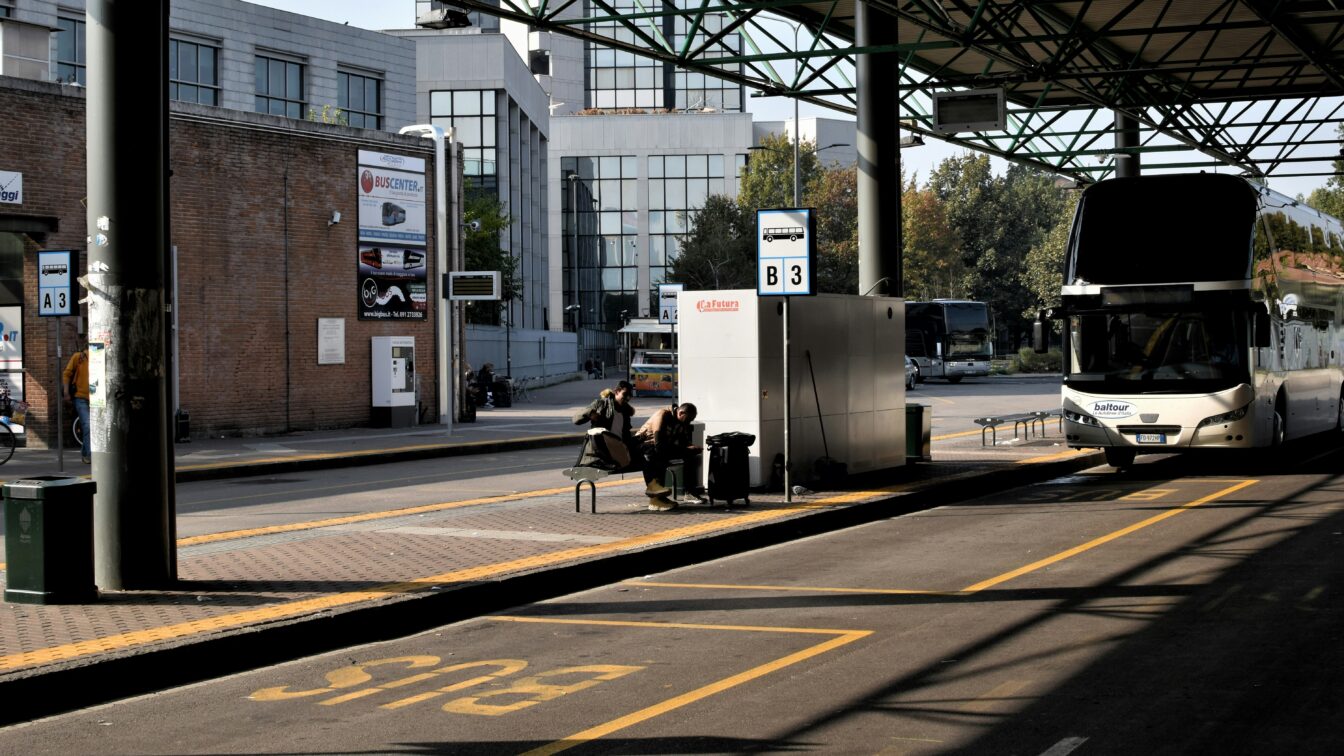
column 1253, row 84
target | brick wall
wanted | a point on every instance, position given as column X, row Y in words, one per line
column 258, row 263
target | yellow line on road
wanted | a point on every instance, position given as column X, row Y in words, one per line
column 470, row 574
column 1054, row 457
column 843, row 637
column 789, row 588
column 360, row 453
column 946, row 436
column 385, row 514
column 1076, row 550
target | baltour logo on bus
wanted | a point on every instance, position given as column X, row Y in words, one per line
column 1111, row 409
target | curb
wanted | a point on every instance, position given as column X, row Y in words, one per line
column 333, row 460
column 46, row 692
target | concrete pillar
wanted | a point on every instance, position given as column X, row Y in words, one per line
column 127, row 116
column 879, row 179
column 1126, row 135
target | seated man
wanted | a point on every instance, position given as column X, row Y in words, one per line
column 665, row 436
column 611, row 411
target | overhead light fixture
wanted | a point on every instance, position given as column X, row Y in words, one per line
column 914, row 140
column 440, row 16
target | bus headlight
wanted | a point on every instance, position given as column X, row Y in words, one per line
column 1226, row 417
column 1078, row 417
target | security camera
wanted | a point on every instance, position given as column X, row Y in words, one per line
column 474, row 225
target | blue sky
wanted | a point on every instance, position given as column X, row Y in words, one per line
column 400, row 14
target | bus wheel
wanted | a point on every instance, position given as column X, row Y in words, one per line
column 1339, row 419
column 1119, row 458
column 954, row 379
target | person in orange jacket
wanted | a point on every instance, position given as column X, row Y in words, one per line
column 75, row 377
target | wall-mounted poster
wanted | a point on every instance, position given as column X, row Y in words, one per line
column 11, row 338
column 392, row 282
column 392, row 265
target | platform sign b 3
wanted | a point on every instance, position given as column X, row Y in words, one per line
column 55, row 284
column 785, row 252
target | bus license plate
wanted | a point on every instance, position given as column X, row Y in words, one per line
column 1152, row 438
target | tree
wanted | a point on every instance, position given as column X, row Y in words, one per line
column 482, row 251
column 719, row 251
column 1044, row 273
column 767, row 180
column 1329, row 199
column 932, row 255
column 998, row 220
column 835, row 196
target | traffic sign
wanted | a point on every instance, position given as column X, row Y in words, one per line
column 55, row 284
column 667, row 302
column 785, row 248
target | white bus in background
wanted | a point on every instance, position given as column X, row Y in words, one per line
column 948, row 338
column 1199, row 311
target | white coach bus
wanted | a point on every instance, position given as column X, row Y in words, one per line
column 1200, row 311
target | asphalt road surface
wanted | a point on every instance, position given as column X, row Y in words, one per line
column 1190, row 605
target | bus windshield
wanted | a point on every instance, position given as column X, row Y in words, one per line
column 1157, row 351
column 967, row 330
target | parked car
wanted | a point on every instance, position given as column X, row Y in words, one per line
column 911, row 374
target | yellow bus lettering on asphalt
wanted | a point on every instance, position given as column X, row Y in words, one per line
column 345, row 677
column 534, row 691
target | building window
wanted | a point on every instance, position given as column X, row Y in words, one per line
column 279, row 87
column 6, row 11
column 619, row 79
column 678, row 187
column 361, row 99
column 601, row 213
column 471, row 114
column 193, row 72
column 70, row 53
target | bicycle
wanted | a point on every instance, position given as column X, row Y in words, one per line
column 11, row 413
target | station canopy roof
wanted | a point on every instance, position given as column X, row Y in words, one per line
column 1256, row 86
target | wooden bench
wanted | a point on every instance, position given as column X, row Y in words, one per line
column 1022, row 422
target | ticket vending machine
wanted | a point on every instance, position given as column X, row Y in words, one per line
column 393, row 366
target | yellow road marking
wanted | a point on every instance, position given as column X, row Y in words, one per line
column 800, row 588
column 995, row 697
column 1054, row 457
column 359, row 453
column 946, row 436
column 229, row 535
column 842, row 638
column 468, row 574
column 1076, row 550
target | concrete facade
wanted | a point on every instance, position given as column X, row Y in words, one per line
column 639, row 137
column 241, row 31
column 448, row 61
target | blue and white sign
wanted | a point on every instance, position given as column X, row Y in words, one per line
column 11, row 187
column 55, row 284
column 785, row 250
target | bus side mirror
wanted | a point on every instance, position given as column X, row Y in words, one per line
column 1038, row 333
column 1260, row 324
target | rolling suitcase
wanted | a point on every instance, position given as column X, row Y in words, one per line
column 729, row 474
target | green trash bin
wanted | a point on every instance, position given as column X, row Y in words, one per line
column 49, row 540
column 918, row 433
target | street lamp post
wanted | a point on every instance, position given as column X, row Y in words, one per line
column 574, row 262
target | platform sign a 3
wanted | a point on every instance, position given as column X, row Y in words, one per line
column 786, row 249
column 55, row 283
